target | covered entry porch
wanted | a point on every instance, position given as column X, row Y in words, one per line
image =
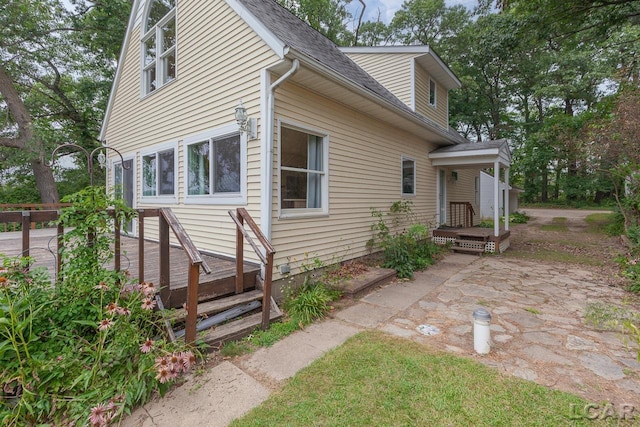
column 456, row 216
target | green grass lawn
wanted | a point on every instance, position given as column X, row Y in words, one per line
column 375, row 379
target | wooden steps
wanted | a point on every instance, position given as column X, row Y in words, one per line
column 233, row 329
column 218, row 305
column 239, row 328
column 374, row 277
column 469, row 246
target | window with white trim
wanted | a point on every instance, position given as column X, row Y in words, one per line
column 216, row 167
column 432, row 93
column 158, row 45
column 158, row 174
column 303, row 171
column 408, row 177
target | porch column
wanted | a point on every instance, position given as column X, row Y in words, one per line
column 506, row 199
column 496, row 198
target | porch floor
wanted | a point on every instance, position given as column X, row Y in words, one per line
column 43, row 246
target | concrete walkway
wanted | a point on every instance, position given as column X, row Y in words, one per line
column 538, row 333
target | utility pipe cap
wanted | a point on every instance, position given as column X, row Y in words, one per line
column 481, row 314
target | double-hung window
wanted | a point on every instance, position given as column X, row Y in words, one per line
column 159, row 174
column 216, row 168
column 408, row 177
column 158, row 45
column 303, row 172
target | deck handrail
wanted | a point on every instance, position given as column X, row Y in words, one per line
column 27, row 219
column 169, row 221
column 461, row 214
column 240, row 217
column 5, row 224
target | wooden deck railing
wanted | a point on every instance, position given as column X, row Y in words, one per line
column 167, row 222
column 18, row 225
column 27, row 220
column 461, row 214
column 240, row 217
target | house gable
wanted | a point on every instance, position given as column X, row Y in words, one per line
column 415, row 74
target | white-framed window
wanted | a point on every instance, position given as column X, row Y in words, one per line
column 304, row 178
column 216, row 167
column 408, row 176
column 158, row 45
column 432, row 93
column 158, row 168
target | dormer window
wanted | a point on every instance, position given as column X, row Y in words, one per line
column 432, row 93
column 158, row 45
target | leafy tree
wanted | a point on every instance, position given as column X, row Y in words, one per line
column 56, row 66
column 329, row 17
column 428, row 22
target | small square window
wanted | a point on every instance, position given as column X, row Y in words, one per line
column 408, row 177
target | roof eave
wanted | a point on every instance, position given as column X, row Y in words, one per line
column 342, row 80
column 267, row 35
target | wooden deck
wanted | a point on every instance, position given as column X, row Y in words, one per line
column 495, row 244
column 43, row 247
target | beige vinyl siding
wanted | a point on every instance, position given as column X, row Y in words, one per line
column 393, row 71
column 219, row 61
column 463, row 189
column 437, row 114
column 364, row 172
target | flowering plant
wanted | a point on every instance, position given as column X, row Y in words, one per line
column 85, row 350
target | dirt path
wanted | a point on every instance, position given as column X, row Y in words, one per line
column 564, row 236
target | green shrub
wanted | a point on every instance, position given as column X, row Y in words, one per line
column 309, row 302
column 518, row 218
column 407, row 250
column 616, row 226
column 89, row 348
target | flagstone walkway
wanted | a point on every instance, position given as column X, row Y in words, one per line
column 538, row 332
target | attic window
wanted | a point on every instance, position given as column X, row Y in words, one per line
column 159, row 45
column 432, row 93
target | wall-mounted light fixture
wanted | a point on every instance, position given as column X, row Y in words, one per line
column 245, row 123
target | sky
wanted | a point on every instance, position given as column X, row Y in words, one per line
column 387, row 8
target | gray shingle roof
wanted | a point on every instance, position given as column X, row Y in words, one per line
column 298, row 35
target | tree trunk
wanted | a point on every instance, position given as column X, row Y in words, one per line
column 45, row 182
column 26, row 140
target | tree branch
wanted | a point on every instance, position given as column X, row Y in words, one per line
column 18, row 111
column 12, row 142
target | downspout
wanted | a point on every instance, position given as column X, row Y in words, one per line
column 268, row 177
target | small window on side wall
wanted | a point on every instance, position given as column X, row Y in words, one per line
column 303, row 172
column 432, row 93
column 158, row 174
column 408, row 177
